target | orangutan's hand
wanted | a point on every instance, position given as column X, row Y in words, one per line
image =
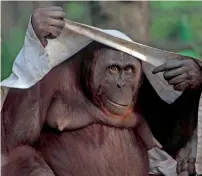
column 181, row 73
column 186, row 165
column 48, row 23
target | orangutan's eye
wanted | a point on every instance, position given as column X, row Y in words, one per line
column 113, row 69
column 129, row 69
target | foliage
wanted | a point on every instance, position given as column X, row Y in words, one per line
column 166, row 15
column 12, row 41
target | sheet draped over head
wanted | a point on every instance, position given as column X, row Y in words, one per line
column 80, row 35
column 75, row 37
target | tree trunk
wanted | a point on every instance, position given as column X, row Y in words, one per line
column 131, row 18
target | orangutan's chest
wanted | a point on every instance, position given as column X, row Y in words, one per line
column 96, row 150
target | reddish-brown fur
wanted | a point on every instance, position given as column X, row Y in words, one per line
column 25, row 161
column 95, row 150
column 90, row 147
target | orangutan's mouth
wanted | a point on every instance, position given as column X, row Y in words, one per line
column 116, row 104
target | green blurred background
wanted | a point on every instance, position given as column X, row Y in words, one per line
column 170, row 25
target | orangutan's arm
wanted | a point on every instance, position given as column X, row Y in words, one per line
column 145, row 133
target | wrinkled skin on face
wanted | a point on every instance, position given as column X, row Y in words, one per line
column 115, row 81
